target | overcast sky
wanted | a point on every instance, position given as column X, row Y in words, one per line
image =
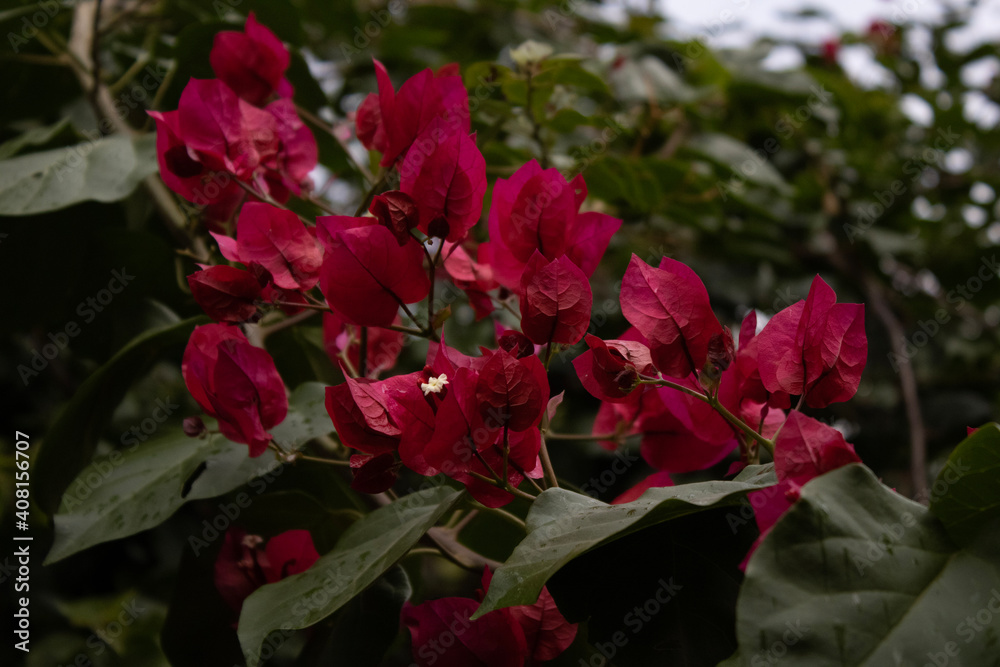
column 737, row 22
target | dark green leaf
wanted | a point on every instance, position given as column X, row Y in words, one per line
column 856, row 574
column 71, row 440
column 134, row 489
column 966, row 495
column 562, row 525
column 369, row 548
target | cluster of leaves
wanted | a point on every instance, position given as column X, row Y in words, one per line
column 307, row 551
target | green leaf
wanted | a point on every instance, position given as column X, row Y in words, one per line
column 70, row 442
column 368, row 548
column 129, row 624
column 367, row 625
column 966, row 495
column 855, row 574
column 37, row 136
column 131, row 490
column 105, row 170
column 563, row 524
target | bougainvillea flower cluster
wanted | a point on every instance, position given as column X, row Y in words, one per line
column 677, row 378
column 239, row 128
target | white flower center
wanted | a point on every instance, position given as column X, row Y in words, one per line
column 434, row 384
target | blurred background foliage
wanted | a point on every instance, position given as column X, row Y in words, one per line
column 758, row 178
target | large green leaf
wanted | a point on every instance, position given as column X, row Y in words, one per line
column 134, row 489
column 368, row 548
column 966, row 494
column 855, row 574
column 71, row 441
column 563, row 524
column 105, row 170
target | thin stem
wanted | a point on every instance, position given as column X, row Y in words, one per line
column 506, row 306
column 548, row 355
column 320, row 204
column 426, row 551
column 363, row 352
column 738, row 423
column 504, row 487
column 464, row 521
column 372, row 191
column 308, row 306
column 320, row 123
column 660, row 382
column 287, row 322
column 348, row 364
column 268, row 199
column 505, row 515
column 407, row 330
column 550, row 473
column 95, row 58
column 430, row 296
column 295, row 456
column 716, row 405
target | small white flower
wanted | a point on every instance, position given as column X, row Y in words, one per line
column 434, row 385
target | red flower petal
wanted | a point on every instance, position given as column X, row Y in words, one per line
column 365, row 273
column 277, row 240
column 512, row 390
column 225, row 293
column 446, row 176
column 669, row 305
column 555, row 301
column 288, row 553
column 252, row 63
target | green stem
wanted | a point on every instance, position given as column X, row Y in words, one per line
column 550, row 473
column 372, row 191
column 309, row 306
column 503, row 514
column 716, row 405
column 407, row 330
column 505, row 487
column 740, row 424
column 329, row 129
